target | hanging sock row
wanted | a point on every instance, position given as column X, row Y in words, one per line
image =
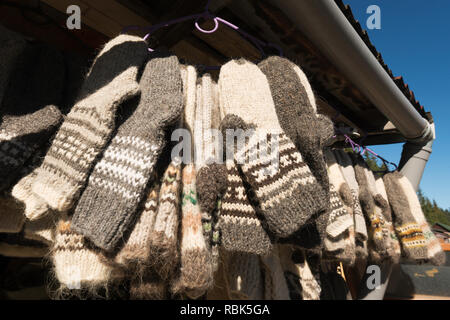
column 100, row 193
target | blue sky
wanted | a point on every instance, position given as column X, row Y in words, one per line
column 415, row 42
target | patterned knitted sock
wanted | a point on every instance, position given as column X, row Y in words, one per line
column 196, row 271
column 346, row 166
column 163, row 242
column 294, row 102
column 377, row 244
column 275, row 285
column 340, row 242
column 381, row 199
column 29, row 114
column 288, row 194
column 409, row 232
column 89, row 125
column 435, row 253
column 135, row 253
column 77, row 263
column 117, row 184
column 11, row 46
column 241, row 229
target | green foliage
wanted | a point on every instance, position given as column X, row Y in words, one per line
column 432, row 211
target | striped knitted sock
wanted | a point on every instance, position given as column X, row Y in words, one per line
column 196, row 271
column 382, row 201
column 107, row 207
column 378, row 239
column 409, row 232
column 287, row 194
column 89, row 125
column 348, row 172
column 30, row 116
column 163, row 242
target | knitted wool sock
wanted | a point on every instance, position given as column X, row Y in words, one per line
column 346, row 166
column 340, row 243
column 196, row 272
column 11, row 46
column 296, row 111
column 117, row 184
column 88, row 126
column 382, row 201
column 29, row 114
column 163, row 240
column 288, row 194
column 377, row 244
column 275, row 285
column 77, row 263
column 135, row 253
column 435, row 253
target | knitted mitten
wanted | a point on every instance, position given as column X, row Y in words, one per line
column 378, row 243
column 346, row 166
column 29, row 114
column 275, row 285
column 117, row 184
column 286, row 191
column 381, row 200
column 89, row 125
column 340, row 241
column 163, row 240
column 135, row 252
column 296, row 111
column 77, row 263
column 196, row 272
column 11, row 46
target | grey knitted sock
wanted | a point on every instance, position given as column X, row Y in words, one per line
column 287, row 194
column 117, row 184
column 11, row 46
column 297, row 116
column 89, row 125
column 29, row 114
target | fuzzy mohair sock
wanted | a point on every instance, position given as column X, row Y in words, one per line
column 108, row 205
column 30, row 115
column 135, row 251
column 378, row 239
column 78, row 264
column 87, row 128
column 163, row 242
column 417, row 240
column 348, row 171
column 287, row 194
column 196, row 266
column 340, row 240
column 275, row 285
column 296, row 111
column 12, row 45
column 382, row 201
